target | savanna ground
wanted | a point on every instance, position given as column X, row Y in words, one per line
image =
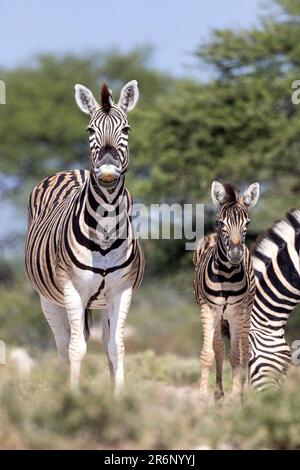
column 160, row 408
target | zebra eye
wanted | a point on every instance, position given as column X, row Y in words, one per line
column 91, row 130
column 125, row 130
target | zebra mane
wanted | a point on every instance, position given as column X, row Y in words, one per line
column 231, row 193
column 281, row 234
column 106, row 97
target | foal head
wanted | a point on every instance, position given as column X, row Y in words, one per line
column 233, row 218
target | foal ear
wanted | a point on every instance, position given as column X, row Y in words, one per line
column 251, row 195
column 129, row 96
column 218, row 193
column 85, row 99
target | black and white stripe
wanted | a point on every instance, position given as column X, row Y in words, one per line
column 277, row 276
column 224, row 286
column 81, row 249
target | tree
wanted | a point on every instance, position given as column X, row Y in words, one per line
column 41, row 130
column 240, row 127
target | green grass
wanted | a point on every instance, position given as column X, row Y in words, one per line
column 159, row 410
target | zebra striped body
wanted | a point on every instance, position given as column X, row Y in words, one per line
column 65, row 236
column 81, row 250
column 277, row 274
column 224, row 288
column 217, row 282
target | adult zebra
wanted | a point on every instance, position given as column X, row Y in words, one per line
column 277, row 275
column 81, row 250
column 224, row 287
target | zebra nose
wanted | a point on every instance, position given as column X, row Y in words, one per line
column 109, row 159
column 236, row 252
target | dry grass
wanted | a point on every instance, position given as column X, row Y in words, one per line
column 159, row 410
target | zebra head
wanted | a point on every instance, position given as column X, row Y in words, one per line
column 108, row 130
column 233, row 218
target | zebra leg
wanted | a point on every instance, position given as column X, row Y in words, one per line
column 75, row 308
column 105, row 339
column 219, row 349
column 118, row 306
column 235, row 324
column 57, row 319
column 208, row 319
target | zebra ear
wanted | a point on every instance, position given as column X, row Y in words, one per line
column 129, row 96
column 85, row 99
column 218, row 193
column 251, row 195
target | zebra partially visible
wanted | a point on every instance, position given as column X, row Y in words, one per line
column 224, row 287
column 81, row 250
column 277, row 274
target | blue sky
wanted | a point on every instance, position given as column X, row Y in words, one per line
column 174, row 28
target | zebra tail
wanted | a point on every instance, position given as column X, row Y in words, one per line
column 88, row 320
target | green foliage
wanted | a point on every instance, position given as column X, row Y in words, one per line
column 41, row 128
column 241, row 127
column 21, row 318
column 272, row 49
column 228, row 131
column 163, row 341
column 159, row 410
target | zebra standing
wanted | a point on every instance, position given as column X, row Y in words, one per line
column 81, row 249
column 277, row 275
column 224, row 287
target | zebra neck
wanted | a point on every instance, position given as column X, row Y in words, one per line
column 103, row 194
column 220, row 260
column 104, row 209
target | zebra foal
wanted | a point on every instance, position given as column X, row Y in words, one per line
column 81, row 250
column 224, row 287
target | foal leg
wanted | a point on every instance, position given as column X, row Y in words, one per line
column 57, row 319
column 219, row 349
column 118, row 306
column 208, row 319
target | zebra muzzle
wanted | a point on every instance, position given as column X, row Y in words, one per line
column 235, row 254
column 108, row 168
column 108, row 173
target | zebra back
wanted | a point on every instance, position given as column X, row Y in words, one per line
column 277, row 277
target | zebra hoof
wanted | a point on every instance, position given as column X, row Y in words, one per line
column 219, row 396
